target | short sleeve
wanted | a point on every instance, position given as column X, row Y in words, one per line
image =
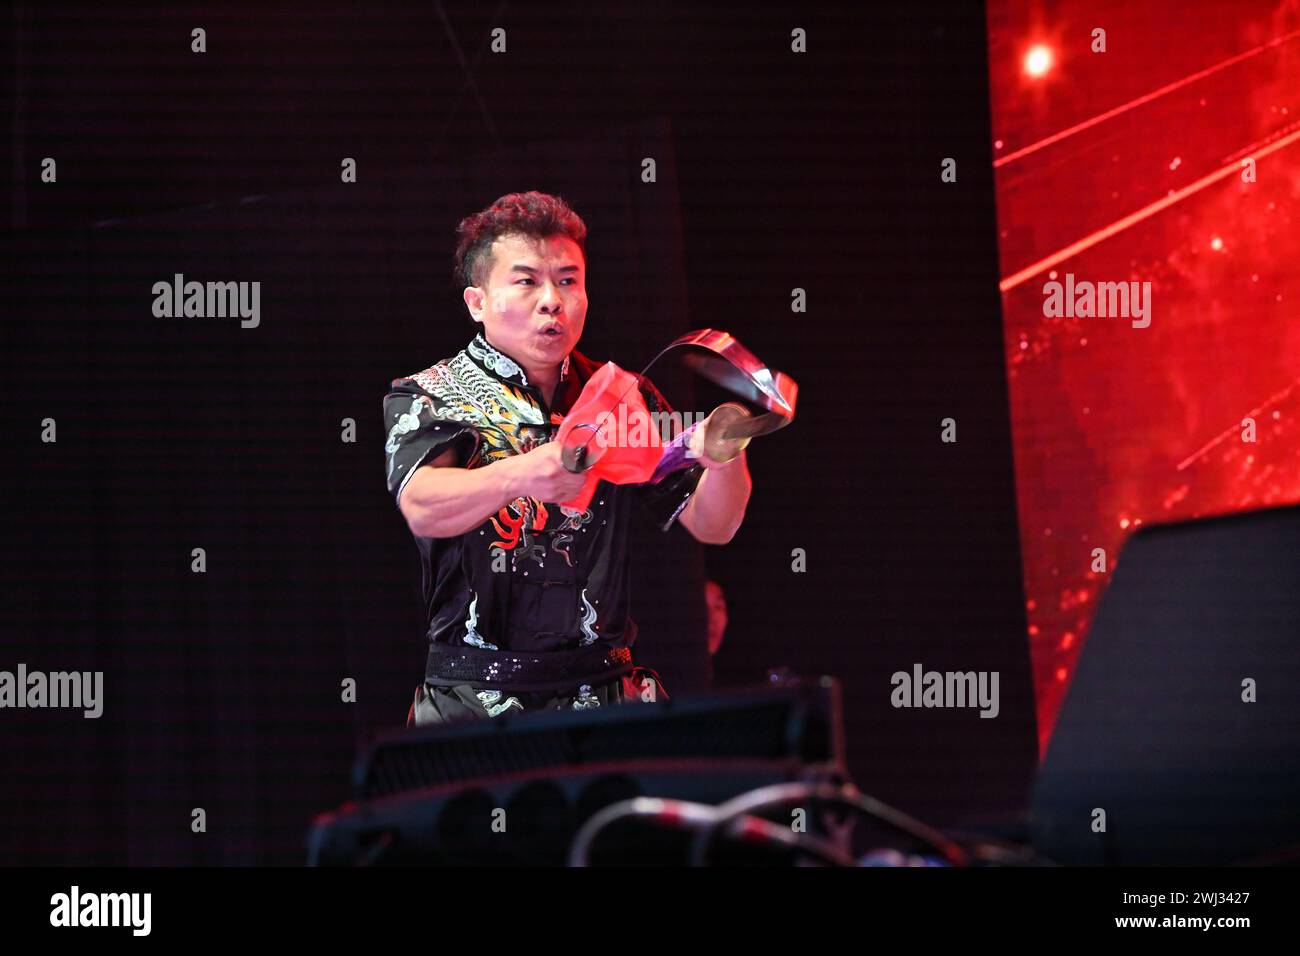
column 666, row 499
column 416, row 434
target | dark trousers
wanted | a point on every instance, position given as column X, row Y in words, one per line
column 445, row 705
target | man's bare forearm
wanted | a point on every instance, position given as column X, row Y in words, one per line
column 445, row 502
column 717, row 507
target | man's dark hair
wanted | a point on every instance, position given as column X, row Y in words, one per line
column 539, row 215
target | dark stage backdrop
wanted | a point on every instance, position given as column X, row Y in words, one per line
column 776, row 170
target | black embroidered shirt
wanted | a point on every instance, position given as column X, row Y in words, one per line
column 532, row 578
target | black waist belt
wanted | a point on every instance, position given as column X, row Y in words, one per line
column 556, row 671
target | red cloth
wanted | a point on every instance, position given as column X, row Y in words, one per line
column 627, row 446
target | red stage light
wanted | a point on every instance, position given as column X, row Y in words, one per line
column 1038, row 61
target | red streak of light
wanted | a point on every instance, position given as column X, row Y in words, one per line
column 1141, row 100
column 1146, row 212
column 1253, row 413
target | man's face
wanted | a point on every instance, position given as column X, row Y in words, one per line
column 535, row 302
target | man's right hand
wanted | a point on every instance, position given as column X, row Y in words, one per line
column 442, row 500
column 541, row 474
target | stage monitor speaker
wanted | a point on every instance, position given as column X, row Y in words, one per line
column 516, row 788
column 530, row 819
column 1179, row 740
column 800, row 720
